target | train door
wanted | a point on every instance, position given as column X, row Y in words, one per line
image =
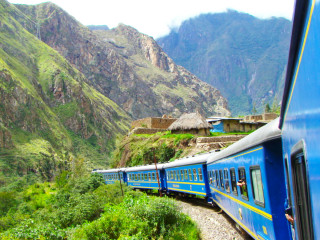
column 303, row 215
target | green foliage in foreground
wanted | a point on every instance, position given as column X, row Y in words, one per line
column 86, row 208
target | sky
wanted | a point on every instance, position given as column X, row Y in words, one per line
column 157, row 18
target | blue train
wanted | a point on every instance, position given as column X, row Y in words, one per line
column 300, row 123
column 269, row 181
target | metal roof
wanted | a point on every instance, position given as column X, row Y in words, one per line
column 196, row 159
column 266, row 133
column 144, row 168
column 114, row 170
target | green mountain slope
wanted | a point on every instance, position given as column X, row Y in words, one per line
column 125, row 65
column 49, row 115
column 244, row 57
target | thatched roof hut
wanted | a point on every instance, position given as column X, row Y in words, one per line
column 192, row 123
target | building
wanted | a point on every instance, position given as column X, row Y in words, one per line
column 192, row 123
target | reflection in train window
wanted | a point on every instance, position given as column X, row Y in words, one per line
column 221, row 179
column 200, row 174
column 195, row 177
column 257, row 188
column 226, row 180
column 190, row 175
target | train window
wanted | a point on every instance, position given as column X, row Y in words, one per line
column 217, row 179
column 243, row 183
column 146, row 177
column 178, row 175
column 257, row 188
column 182, row 175
column 153, row 176
column 186, row 174
column 214, row 178
column 139, row 176
column 233, row 181
column 195, row 177
column 226, row 180
column 200, row 174
column 221, row 179
column 175, row 175
column 190, row 175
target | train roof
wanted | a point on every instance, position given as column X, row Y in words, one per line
column 196, row 159
column 266, row 133
column 114, row 170
column 144, row 168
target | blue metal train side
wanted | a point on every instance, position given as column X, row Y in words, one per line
column 189, row 179
column 300, row 122
column 258, row 208
column 146, row 179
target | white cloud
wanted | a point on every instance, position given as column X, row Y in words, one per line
column 156, row 18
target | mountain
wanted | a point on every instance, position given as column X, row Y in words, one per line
column 98, row 27
column 125, row 65
column 49, row 115
column 243, row 56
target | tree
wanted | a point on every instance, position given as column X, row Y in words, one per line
column 267, row 108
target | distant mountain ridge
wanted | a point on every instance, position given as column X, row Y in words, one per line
column 243, row 56
column 126, row 66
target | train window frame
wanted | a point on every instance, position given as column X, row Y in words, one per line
column 190, row 175
column 213, row 174
column 149, row 177
column 234, row 183
column 217, row 178
column 178, row 175
column 221, row 179
column 175, row 175
column 200, row 174
column 182, row 174
column 226, row 180
column 254, row 186
column 153, row 176
column 246, row 185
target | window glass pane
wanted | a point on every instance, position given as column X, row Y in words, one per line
column 214, row 178
column 221, row 179
column 178, row 175
column 226, row 180
column 233, row 182
column 200, row 174
column 186, row 174
column 257, row 185
column 182, row 175
column 242, row 183
column 217, row 179
column 195, row 177
column 190, row 175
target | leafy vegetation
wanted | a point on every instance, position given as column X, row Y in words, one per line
column 78, row 206
column 142, row 148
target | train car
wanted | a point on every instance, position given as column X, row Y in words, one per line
column 110, row 176
column 300, row 123
column 247, row 182
column 188, row 176
column 146, row 177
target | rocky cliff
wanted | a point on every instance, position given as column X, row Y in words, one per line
column 49, row 115
column 125, row 65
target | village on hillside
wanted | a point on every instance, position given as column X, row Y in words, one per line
column 231, row 129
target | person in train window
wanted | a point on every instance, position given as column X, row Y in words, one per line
column 243, row 187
